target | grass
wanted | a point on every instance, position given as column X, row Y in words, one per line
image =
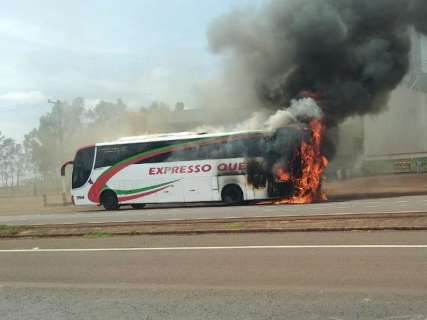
column 8, row 231
column 98, row 235
column 234, row 225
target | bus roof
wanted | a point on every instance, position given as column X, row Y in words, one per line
column 174, row 136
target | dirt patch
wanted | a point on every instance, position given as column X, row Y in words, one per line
column 21, row 205
column 378, row 186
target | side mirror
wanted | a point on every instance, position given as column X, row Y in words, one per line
column 64, row 166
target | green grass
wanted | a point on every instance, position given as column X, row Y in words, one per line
column 98, row 235
column 234, row 225
column 8, row 231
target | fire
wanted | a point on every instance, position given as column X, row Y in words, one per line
column 313, row 163
column 282, row 175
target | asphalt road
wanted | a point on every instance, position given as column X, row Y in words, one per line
column 354, row 275
column 383, row 205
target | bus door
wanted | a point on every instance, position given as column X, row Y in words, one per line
column 197, row 189
column 173, row 193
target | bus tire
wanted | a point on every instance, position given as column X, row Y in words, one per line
column 138, row 205
column 232, row 195
column 109, row 200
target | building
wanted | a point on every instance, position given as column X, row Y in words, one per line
column 394, row 141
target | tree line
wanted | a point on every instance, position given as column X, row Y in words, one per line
column 69, row 126
column 13, row 161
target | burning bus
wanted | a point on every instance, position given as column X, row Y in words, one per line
column 281, row 166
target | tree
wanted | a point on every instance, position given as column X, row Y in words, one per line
column 108, row 120
column 67, row 127
column 12, row 162
column 55, row 139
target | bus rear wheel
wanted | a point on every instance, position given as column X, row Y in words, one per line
column 232, row 195
column 109, row 200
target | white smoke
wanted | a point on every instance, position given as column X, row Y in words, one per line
column 300, row 110
column 255, row 122
column 305, row 108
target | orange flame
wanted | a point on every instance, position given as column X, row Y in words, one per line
column 313, row 163
column 281, row 174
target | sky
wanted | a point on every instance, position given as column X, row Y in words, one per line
column 139, row 51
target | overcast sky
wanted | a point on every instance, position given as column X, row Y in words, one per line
column 135, row 50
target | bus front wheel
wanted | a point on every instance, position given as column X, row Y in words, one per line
column 109, row 200
column 232, row 195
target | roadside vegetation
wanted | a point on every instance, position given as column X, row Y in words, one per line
column 8, row 231
column 31, row 167
column 98, row 235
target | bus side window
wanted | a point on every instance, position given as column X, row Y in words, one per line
column 107, row 156
column 173, row 156
column 237, row 149
column 213, row 151
column 135, row 148
column 110, row 155
column 190, row 153
column 183, row 155
column 159, row 157
column 255, row 147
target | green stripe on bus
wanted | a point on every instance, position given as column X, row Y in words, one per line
column 132, row 191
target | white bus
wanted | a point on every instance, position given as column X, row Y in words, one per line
column 169, row 168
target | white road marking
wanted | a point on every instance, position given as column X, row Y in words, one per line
column 327, row 246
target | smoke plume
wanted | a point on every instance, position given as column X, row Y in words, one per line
column 350, row 53
column 299, row 111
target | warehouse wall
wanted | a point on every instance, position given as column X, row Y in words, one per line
column 399, row 131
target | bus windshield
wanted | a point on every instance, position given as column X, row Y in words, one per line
column 82, row 166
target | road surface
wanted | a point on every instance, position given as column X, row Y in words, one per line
column 354, row 275
column 383, row 205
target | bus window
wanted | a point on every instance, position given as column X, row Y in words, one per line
column 110, row 155
column 188, row 154
column 215, row 151
column 198, row 152
column 235, row 149
column 107, row 156
column 82, row 166
column 256, row 147
column 239, row 148
column 181, row 155
column 244, row 147
column 161, row 157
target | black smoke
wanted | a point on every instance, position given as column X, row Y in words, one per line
column 348, row 54
column 417, row 15
column 351, row 52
